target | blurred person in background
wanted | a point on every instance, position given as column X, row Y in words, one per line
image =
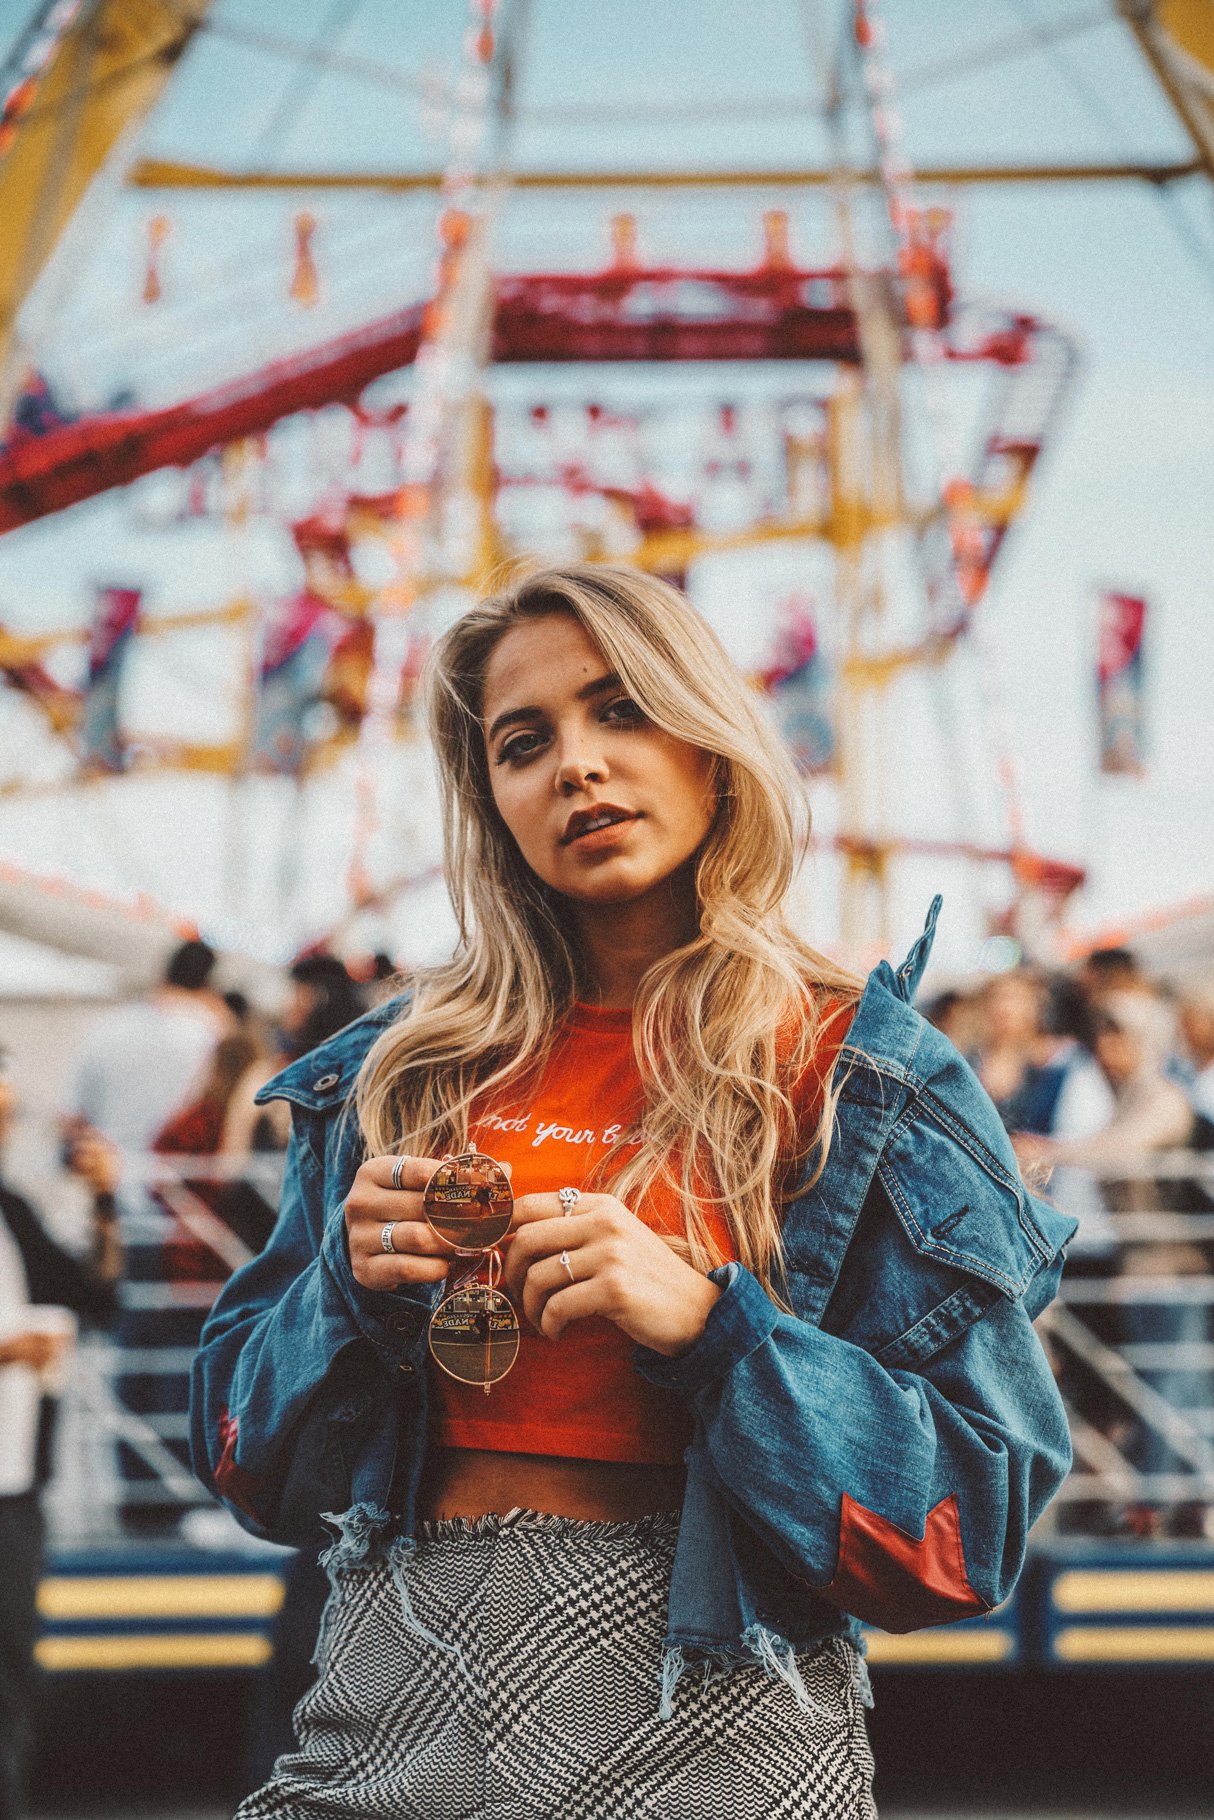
column 1065, row 1094
column 1134, row 1034
column 1134, row 1038
column 1196, row 1011
column 959, row 1016
column 200, row 1246
column 197, row 1130
column 141, row 1061
column 323, row 999
column 1108, row 970
column 1010, row 1005
column 42, row 1286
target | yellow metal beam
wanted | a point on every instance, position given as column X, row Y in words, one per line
column 1177, row 39
column 169, row 174
column 105, row 75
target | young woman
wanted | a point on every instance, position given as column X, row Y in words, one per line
column 776, row 1372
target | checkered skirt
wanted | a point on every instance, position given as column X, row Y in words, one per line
column 511, row 1669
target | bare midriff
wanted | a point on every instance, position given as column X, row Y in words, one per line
column 477, row 1482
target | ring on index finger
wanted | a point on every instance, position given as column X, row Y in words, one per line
column 398, row 1172
column 569, row 1198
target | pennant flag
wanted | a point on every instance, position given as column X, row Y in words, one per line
column 114, row 625
column 294, row 664
column 1120, row 683
column 798, row 680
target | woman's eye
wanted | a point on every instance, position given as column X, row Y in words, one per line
column 623, row 708
column 519, row 747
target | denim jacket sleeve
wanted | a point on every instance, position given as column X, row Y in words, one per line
column 298, row 1362
column 905, row 1497
column 894, row 1439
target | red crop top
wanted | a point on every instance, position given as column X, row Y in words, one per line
column 579, row 1396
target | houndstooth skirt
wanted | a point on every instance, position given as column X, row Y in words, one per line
column 510, row 1669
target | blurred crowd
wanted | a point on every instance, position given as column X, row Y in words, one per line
column 1104, row 1080
column 160, row 1083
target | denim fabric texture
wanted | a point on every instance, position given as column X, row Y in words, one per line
column 908, row 1385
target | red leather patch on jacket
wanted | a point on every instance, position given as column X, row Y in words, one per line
column 889, row 1579
column 232, row 1481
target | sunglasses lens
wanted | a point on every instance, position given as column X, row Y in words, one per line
column 468, row 1202
column 474, row 1335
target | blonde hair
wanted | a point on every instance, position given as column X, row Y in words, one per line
column 723, row 1026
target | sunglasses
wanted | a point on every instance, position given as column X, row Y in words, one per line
column 474, row 1331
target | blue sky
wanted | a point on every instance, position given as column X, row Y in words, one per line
column 1124, row 495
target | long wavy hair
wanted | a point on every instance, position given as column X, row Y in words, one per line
column 723, row 1026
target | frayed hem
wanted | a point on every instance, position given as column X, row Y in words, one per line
column 661, row 1525
column 767, row 1650
column 360, row 1532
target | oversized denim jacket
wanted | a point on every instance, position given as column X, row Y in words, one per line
column 879, row 1454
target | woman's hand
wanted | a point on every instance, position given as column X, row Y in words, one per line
column 618, row 1268
column 418, row 1255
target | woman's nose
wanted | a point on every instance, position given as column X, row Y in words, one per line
column 577, row 769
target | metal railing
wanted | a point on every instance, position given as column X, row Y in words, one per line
column 1125, row 1340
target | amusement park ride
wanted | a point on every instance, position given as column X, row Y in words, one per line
column 475, row 424
column 448, row 481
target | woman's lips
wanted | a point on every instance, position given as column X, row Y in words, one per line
column 594, row 838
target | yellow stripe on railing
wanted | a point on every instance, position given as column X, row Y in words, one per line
column 1135, row 1643
column 67, row 1596
column 940, row 1646
column 1114, row 1589
column 163, row 1649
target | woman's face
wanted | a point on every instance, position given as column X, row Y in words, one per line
column 604, row 806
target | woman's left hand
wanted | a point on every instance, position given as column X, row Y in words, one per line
column 618, row 1268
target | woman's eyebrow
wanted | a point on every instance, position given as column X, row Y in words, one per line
column 587, row 692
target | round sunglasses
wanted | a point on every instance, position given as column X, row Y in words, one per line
column 474, row 1331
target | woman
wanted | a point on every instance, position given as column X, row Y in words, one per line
column 779, row 1371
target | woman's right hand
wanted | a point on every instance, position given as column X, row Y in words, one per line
column 418, row 1255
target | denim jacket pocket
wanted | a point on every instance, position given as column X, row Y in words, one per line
column 953, row 1231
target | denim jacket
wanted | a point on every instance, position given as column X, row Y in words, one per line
column 880, row 1454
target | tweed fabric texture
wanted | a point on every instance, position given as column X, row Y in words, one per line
column 511, row 1670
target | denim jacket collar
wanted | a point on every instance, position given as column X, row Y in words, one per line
column 323, row 1079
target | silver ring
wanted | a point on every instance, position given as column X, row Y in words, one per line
column 568, row 1265
column 569, row 1198
column 385, row 1237
column 398, row 1170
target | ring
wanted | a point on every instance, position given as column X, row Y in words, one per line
column 398, row 1170
column 568, row 1266
column 569, row 1198
column 385, row 1237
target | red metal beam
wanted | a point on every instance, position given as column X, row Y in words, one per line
column 621, row 315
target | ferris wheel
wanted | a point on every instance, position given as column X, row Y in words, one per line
column 856, row 413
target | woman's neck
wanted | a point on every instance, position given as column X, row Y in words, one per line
column 620, row 942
